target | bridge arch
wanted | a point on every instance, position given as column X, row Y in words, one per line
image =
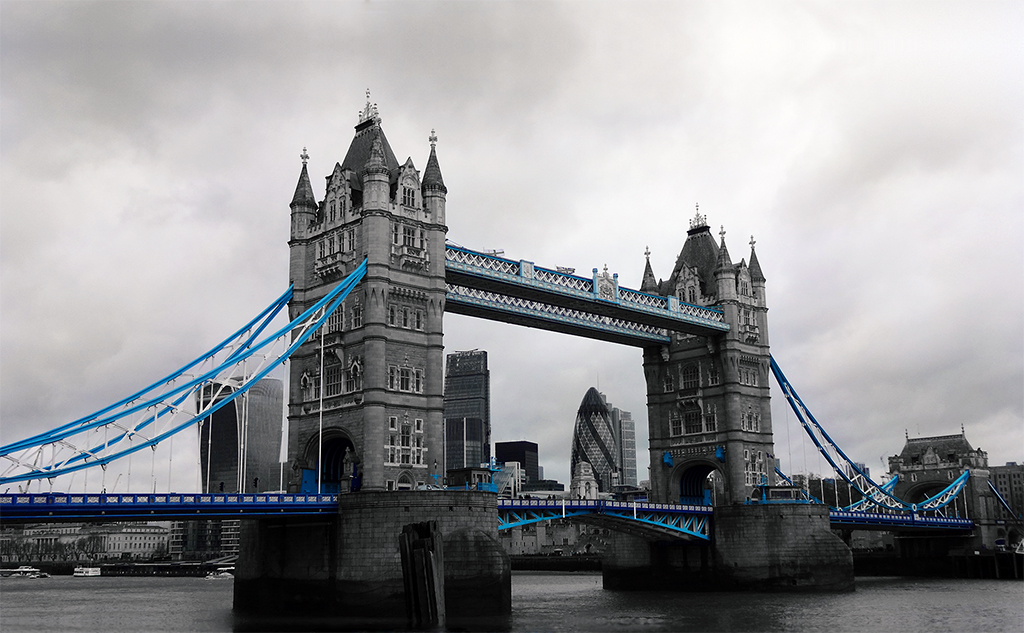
column 339, row 460
column 695, row 482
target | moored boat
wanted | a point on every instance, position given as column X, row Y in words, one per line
column 85, row 572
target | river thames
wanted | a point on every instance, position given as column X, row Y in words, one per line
column 541, row 601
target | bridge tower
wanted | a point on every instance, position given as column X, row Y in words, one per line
column 708, row 398
column 374, row 381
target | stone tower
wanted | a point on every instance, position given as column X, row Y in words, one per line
column 708, row 397
column 374, row 381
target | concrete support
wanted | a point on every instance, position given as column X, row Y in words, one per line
column 755, row 547
column 351, row 565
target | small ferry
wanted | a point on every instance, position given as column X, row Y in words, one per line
column 23, row 572
column 86, row 572
column 222, row 573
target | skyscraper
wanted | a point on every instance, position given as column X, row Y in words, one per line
column 523, row 452
column 625, row 440
column 240, row 443
column 593, row 440
column 467, row 410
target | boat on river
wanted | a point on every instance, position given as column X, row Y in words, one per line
column 86, row 572
column 25, row 571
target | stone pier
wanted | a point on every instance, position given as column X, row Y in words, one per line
column 350, row 565
column 755, row 547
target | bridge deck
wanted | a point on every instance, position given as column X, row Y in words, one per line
column 25, row 508
column 518, row 292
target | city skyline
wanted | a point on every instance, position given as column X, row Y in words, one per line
column 873, row 152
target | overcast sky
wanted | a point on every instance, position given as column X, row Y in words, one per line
column 875, row 150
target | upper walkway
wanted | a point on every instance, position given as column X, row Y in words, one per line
column 490, row 287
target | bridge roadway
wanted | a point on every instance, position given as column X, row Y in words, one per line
column 645, row 519
column 490, row 287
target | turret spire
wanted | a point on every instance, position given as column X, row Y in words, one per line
column 304, row 190
column 649, row 283
column 432, row 179
column 723, row 253
column 755, row 267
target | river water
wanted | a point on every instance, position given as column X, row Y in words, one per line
column 541, row 601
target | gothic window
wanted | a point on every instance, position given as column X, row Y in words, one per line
column 357, row 316
column 744, row 289
column 710, row 418
column 692, row 293
column 419, row 319
column 392, row 377
column 675, row 424
column 333, row 210
column 669, row 384
column 691, row 377
column 692, row 421
column 418, row 380
column 405, row 317
column 713, row 378
column 320, row 249
column 408, row 196
column 405, row 379
column 423, row 239
column 353, row 378
column 392, row 315
column 350, row 240
column 333, row 381
column 336, row 322
column 394, row 233
column 408, row 236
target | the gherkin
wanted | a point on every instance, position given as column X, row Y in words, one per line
column 593, row 440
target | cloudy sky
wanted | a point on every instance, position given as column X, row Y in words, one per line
column 875, row 150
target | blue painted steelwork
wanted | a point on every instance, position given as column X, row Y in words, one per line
column 77, row 446
column 92, row 507
column 876, row 496
column 896, row 521
column 686, row 520
column 519, row 292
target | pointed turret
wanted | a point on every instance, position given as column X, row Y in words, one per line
column 434, row 191
column 304, row 190
column 723, row 253
column 755, row 268
column 649, row 283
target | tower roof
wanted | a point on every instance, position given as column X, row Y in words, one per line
column 649, row 283
column 432, row 174
column 359, row 152
column 723, row 253
column 304, row 190
column 700, row 252
column 755, row 268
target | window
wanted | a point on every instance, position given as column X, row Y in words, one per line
column 692, row 421
column 392, row 315
column 405, row 379
column 713, row 378
column 353, row 378
column 408, row 236
column 692, row 294
column 675, row 424
column 408, row 196
column 336, row 322
column 393, row 422
column 394, row 233
column 333, row 382
column 418, row 381
column 405, row 317
column 333, row 210
column 669, row 385
column 691, row 377
column 419, row 320
column 350, row 240
column 320, row 249
column 392, row 377
column 357, row 316
column 710, row 418
column 423, row 240
column 419, row 425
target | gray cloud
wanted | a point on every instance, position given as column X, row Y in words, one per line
column 148, row 152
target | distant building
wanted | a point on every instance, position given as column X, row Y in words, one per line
column 240, row 444
column 926, row 465
column 467, row 410
column 523, row 452
column 83, row 542
column 1009, row 481
column 584, row 482
column 625, row 441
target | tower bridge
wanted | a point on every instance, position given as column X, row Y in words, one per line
column 371, row 277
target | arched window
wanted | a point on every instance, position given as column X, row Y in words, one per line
column 405, row 482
